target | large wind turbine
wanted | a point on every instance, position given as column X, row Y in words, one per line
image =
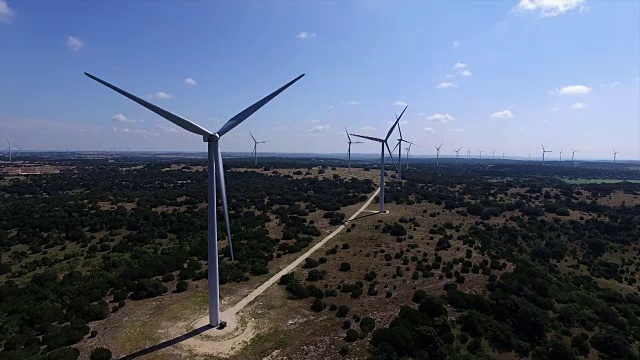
column 573, row 153
column 349, row 149
column 544, row 151
column 615, row 153
column 457, row 153
column 255, row 148
column 438, row 153
column 214, row 166
column 383, row 144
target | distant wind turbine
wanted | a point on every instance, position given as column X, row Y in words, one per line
column 438, row 154
column 493, row 156
column 469, row 153
column 255, row 148
column 480, row 151
column 503, row 155
column 560, row 154
column 615, row 153
column 383, row 143
column 573, row 153
column 544, row 151
column 399, row 146
column 214, row 166
column 9, row 148
column 457, row 153
column 409, row 151
column 349, row 149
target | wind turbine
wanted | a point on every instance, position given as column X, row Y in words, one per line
column 399, row 146
column 383, row 143
column 457, row 153
column 573, row 153
column 493, row 156
column 255, row 148
column 214, row 166
column 9, row 148
column 615, row 153
column 544, row 151
column 560, row 154
column 469, row 153
column 349, row 150
column 438, row 153
column 409, row 151
column 529, row 157
column 480, row 151
column 502, row 154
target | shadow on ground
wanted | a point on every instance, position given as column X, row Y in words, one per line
column 168, row 343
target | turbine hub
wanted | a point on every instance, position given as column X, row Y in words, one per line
column 211, row 138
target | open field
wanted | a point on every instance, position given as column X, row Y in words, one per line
column 598, row 181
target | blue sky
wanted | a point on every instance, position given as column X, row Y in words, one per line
column 490, row 75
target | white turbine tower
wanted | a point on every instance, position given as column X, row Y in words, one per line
column 493, row 155
column 457, row 153
column 560, row 154
column 349, row 148
column 544, row 151
column 255, row 148
column 214, row 166
column 573, row 153
column 469, row 153
column 399, row 146
column 480, row 152
column 615, row 154
column 9, row 148
column 383, row 144
column 438, row 153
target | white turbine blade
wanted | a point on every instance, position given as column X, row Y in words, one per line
column 254, row 139
column 395, row 123
column 223, row 190
column 180, row 121
column 391, row 155
column 244, row 114
column 368, row 138
column 348, row 137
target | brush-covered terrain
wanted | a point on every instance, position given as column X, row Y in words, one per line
column 497, row 260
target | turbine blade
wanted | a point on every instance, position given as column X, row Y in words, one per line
column 180, row 121
column 357, row 142
column 244, row 114
column 254, row 139
column 395, row 123
column 399, row 130
column 395, row 147
column 391, row 155
column 368, row 138
column 223, row 190
column 348, row 137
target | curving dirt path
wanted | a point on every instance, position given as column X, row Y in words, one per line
column 226, row 342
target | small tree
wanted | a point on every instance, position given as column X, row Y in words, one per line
column 345, row 266
column 367, row 325
column 181, row 286
column 101, row 353
column 352, row 335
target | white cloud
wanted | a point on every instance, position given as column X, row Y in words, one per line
column 504, row 114
column 311, row 121
column 305, row 35
column 449, row 76
column 137, row 131
column 400, row 103
column 166, row 128
column 444, row 85
column 455, row 130
column 455, row 44
column 121, row 118
column 459, row 66
column 160, row 95
column 578, row 106
column 353, row 102
column 331, row 107
column 429, row 130
column 189, row 81
column 465, row 72
column 367, row 128
column 6, row 12
column 550, row 8
column 613, row 84
column 573, row 90
column 74, row 43
column 319, row 129
column 440, row 118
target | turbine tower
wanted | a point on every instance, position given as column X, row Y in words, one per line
column 573, row 153
column 502, row 154
column 493, row 156
column 399, row 146
column 349, row 149
column 214, row 166
column 457, row 153
column 544, row 151
column 438, row 153
column 383, row 143
column 560, row 154
column 615, row 153
column 480, row 151
column 255, row 148
column 469, row 153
